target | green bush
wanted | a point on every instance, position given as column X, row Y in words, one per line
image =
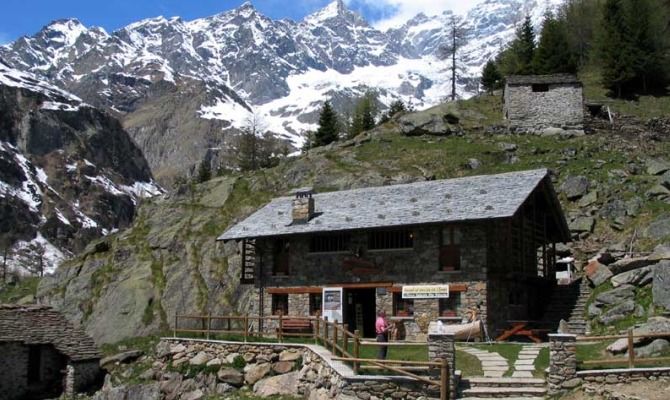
column 239, row 363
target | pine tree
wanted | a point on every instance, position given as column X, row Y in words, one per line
column 648, row 43
column 328, row 131
column 615, row 50
column 491, row 77
column 517, row 58
column 364, row 115
column 396, row 107
column 553, row 52
column 204, row 171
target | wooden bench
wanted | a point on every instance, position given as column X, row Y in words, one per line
column 296, row 325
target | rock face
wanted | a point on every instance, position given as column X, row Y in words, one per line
column 618, row 312
column 575, row 187
column 436, row 121
column 661, row 284
column 69, row 173
column 597, row 273
column 659, row 229
column 615, row 296
column 636, row 277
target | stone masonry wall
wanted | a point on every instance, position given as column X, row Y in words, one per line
column 13, row 370
column 562, row 363
column 614, row 376
column 561, row 106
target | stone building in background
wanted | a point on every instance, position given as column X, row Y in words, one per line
column 538, row 102
column 489, row 238
column 42, row 355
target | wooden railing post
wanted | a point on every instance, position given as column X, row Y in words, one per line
column 444, row 380
column 229, row 329
column 209, row 324
column 176, row 322
column 335, row 338
column 345, row 337
column 280, row 328
column 316, row 330
column 357, row 344
column 246, row 327
column 325, row 332
column 631, row 349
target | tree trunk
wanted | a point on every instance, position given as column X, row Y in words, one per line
column 453, row 63
column 4, row 266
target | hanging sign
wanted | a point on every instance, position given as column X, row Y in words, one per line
column 332, row 304
column 425, row 292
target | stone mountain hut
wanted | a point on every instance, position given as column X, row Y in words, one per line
column 350, row 253
column 536, row 102
column 42, row 355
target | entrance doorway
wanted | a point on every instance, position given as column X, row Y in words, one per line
column 360, row 310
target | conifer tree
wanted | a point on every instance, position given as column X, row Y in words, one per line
column 364, row 115
column 491, row 77
column 517, row 58
column 553, row 52
column 648, row 42
column 204, row 171
column 396, row 107
column 615, row 50
column 328, row 131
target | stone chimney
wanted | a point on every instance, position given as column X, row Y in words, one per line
column 303, row 206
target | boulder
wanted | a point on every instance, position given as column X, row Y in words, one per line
column 589, row 199
column 629, row 264
column 507, row 146
column 593, row 310
column 149, row 391
column 551, row 132
column 177, row 348
column 653, row 325
column 661, row 252
column 126, row 356
column 659, row 229
column 575, row 187
column 613, row 209
column 563, row 326
column 597, row 273
column 427, row 123
column 223, row 388
column 230, row 376
column 256, row 372
column 637, row 277
column 618, row 312
column 279, row 385
column 473, row 163
column 582, row 224
column 214, row 362
column 633, row 206
column 282, row 367
column 200, row 358
column 290, row 355
column 193, row 395
column 615, row 296
column 657, row 166
column 665, row 180
column 230, row 358
column 658, row 191
column 653, row 349
column 661, row 284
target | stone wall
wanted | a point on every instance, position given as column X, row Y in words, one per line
column 315, row 377
column 13, row 370
column 562, row 363
column 441, row 346
column 86, row 374
column 623, row 375
column 561, row 106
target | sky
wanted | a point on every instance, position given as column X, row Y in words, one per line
column 26, row 17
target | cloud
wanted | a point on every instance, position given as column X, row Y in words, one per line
column 396, row 12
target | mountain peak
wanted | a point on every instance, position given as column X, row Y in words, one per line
column 64, row 31
column 335, row 10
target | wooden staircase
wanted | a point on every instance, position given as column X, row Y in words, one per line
column 502, row 388
column 568, row 302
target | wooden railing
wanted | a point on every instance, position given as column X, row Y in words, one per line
column 630, row 360
column 334, row 336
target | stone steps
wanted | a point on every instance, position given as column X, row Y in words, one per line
column 474, row 382
column 505, row 392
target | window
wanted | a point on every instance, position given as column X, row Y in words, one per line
column 540, row 87
column 449, row 306
column 279, row 304
column 315, row 302
column 281, row 251
column 450, row 249
column 385, row 240
column 329, row 243
column 402, row 307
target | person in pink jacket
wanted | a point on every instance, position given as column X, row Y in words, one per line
column 382, row 328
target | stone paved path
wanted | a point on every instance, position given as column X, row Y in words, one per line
column 493, row 364
column 525, row 364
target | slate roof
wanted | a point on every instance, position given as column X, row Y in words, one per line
column 449, row 200
column 43, row 325
column 516, row 80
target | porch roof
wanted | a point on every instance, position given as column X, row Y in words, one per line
column 429, row 202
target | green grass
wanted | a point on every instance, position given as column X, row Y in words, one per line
column 509, row 351
column 144, row 343
column 25, row 287
column 541, row 363
column 468, row 364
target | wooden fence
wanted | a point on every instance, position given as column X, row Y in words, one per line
column 630, row 360
column 334, row 336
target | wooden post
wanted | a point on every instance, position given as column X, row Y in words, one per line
column 345, row 338
column 209, row 324
column 176, row 321
column 280, row 328
column 325, row 332
column 316, row 330
column 246, row 327
column 229, row 324
column 335, row 338
column 631, row 349
column 357, row 344
column 444, row 380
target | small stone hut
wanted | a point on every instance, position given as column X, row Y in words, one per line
column 42, row 355
column 544, row 101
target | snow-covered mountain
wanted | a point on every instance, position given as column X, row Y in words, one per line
column 223, row 68
column 68, row 172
